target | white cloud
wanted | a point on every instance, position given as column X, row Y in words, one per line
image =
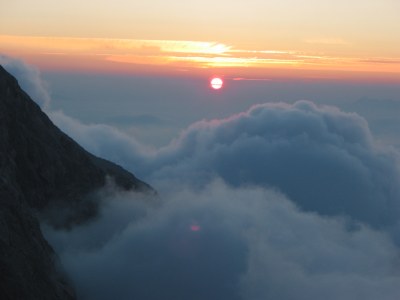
column 29, row 79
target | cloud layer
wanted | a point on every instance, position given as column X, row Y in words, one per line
column 322, row 158
column 225, row 243
column 282, row 201
column 238, row 239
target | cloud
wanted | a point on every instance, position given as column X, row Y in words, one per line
column 29, row 78
column 225, row 243
column 106, row 141
column 322, row 158
column 225, row 229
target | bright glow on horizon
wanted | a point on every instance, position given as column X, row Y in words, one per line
column 171, row 56
column 311, row 39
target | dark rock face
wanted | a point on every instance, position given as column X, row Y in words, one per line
column 27, row 263
column 41, row 168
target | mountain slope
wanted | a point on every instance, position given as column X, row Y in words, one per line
column 41, row 168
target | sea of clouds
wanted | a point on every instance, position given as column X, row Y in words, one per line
column 281, row 201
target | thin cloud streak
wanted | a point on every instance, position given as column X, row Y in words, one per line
column 177, row 54
column 251, row 79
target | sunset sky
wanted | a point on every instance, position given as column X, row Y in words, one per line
column 315, row 39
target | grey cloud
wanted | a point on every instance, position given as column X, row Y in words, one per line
column 322, row 158
column 226, row 243
column 105, row 141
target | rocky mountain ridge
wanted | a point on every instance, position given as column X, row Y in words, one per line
column 41, row 167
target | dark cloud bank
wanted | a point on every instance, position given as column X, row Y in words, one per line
column 320, row 157
column 278, row 202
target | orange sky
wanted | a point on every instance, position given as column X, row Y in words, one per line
column 245, row 39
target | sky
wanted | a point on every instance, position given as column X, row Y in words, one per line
column 312, row 39
column 102, row 60
column 284, row 184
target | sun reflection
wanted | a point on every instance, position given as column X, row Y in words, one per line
column 195, row 227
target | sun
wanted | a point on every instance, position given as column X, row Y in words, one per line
column 216, row 83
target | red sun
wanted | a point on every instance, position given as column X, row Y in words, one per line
column 216, row 83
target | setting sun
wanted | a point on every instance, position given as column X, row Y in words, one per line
column 216, row 83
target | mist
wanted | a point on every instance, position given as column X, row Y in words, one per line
column 225, row 243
